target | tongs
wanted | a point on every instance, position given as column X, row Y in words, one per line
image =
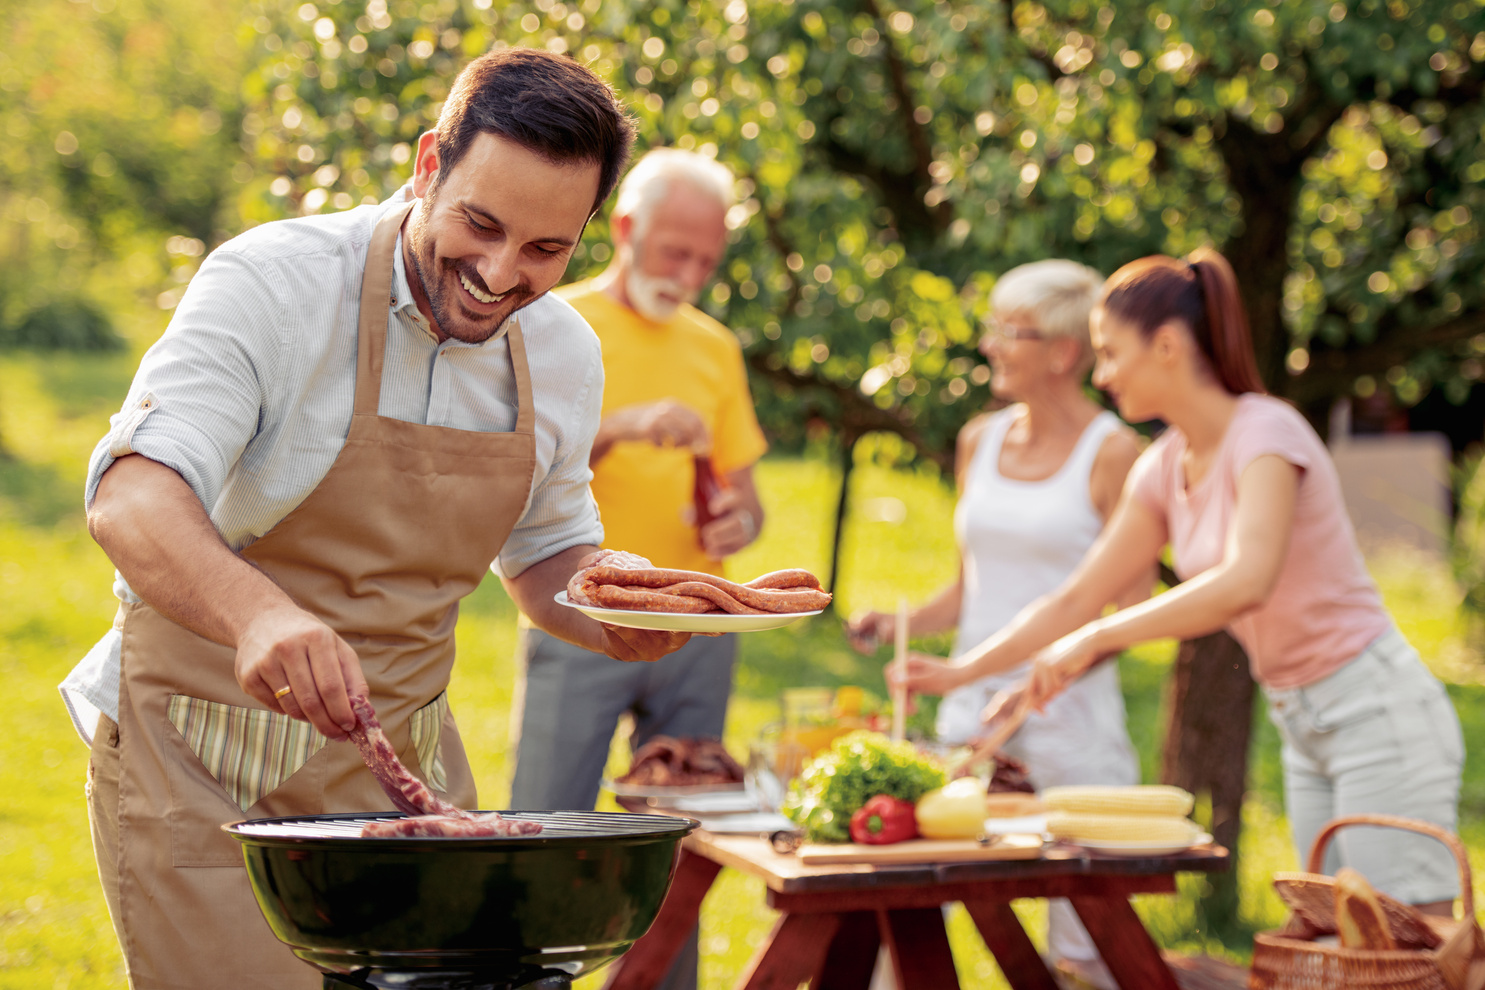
column 1012, row 708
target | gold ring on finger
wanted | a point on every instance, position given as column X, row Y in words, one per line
column 281, row 692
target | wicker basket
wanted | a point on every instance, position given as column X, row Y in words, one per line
column 1288, row 959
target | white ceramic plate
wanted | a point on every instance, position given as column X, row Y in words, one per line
column 720, row 622
column 1144, row 848
column 1025, row 824
column 754, row 823
column 620, row 789
column 717, row 803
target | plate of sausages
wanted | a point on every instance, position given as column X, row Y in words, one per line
column 625, row 589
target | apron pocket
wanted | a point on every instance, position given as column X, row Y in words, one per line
column 250, row 752
column 426, row 727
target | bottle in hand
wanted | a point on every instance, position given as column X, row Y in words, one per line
column 707, row 486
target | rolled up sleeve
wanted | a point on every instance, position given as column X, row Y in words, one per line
column 200, row 391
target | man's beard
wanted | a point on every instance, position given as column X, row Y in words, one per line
column 454, row 319
column 644, row 291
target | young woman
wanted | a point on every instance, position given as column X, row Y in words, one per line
column 1037, row 482
column 1245, row 494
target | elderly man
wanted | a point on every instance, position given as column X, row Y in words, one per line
column 675, row 385
column 349, row 417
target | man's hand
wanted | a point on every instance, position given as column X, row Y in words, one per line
column 735, row 525
column 532, row 591
column 641, row 645
column 666, row 423
column 288, row 647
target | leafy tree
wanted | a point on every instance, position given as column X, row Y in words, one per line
column 117, row 170
column 895, row 158
column 122, row 118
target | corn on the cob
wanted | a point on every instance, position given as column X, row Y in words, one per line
column 1121, row 828
column 1154, row 799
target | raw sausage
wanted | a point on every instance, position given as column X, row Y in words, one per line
column 645, row 600
column 620, row 580
column 762, row 599
column 794, row 577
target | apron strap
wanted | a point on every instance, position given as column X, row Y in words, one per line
column 526, row 407
column 376, row 296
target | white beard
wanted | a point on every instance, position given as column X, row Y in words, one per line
column 644, row 291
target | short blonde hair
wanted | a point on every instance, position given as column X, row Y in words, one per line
column 1059, row 294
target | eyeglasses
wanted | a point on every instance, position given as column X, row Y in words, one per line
column 999, row 330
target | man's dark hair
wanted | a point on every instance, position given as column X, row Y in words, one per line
column 549, row 103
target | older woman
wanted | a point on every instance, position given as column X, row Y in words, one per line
column 1246, row 496
column 1037, row 481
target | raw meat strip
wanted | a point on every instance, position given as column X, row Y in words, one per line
column 433, row 815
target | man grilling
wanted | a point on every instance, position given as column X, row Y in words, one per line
column 348, row 419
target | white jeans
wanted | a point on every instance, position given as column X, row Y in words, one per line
column 1379, row 735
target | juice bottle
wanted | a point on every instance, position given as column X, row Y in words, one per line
column 847, row 708
column 807, row 721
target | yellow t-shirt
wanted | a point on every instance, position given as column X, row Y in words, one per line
column 640, row 488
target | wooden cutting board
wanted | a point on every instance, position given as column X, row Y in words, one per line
column 920, row 851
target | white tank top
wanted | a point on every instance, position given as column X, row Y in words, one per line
column 1019, row 540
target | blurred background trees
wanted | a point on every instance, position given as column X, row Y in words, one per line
column 894, row 158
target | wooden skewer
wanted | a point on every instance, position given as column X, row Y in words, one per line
column 899, row 660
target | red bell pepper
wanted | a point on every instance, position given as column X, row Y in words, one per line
column 884, row 819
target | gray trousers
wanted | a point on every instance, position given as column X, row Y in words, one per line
column 573, row 700
column 571, row 703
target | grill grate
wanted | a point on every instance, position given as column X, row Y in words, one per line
column 554, row 825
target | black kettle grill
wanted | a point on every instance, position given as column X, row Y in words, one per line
column 458, row 913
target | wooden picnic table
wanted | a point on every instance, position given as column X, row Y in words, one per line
column 835, row 918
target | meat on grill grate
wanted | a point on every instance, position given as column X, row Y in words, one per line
column 433, row 815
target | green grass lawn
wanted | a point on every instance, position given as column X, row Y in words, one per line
column 55, row 601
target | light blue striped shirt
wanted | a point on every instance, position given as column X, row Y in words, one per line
column 248, row 396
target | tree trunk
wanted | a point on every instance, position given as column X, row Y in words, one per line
column 848, row 461
column 1265, row 174
column 1206, row 750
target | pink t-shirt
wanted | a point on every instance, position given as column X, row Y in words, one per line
column 1324, row 610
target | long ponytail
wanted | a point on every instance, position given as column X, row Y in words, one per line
column 1202, row 293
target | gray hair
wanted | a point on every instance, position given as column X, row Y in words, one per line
column 1058, row 294
column 653, row 176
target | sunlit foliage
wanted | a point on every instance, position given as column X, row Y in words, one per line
column 893, row 160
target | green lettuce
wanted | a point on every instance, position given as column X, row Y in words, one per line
column 857, row 767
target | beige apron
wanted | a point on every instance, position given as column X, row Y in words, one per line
column 404, row 525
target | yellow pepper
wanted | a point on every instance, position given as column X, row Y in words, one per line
column 954, row 811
